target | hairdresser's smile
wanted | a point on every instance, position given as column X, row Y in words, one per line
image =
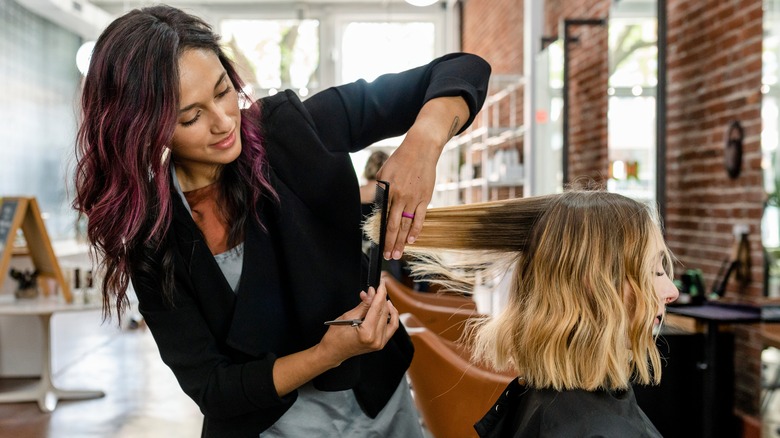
column 227, row 143
column 207, row 134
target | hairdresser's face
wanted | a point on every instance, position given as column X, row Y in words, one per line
column 208, row 133
column 664, row 287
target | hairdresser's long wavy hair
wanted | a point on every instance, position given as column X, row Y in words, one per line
column 129, row 109
column 568, row 322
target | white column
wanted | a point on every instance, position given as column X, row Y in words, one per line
column 533, row 26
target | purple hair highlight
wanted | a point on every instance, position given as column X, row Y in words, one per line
column 129, row 113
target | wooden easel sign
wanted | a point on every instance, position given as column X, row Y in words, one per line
column 24, row 213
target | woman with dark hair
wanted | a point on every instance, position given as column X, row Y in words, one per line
column 589, row 278
column 239, row 229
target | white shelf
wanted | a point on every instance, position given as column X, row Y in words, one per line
column 506, row 183
column 497, row 127
column 477, row 182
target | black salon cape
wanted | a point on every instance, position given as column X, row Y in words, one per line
column 523, row 412
column 222, row 345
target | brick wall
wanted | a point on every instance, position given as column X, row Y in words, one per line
column 494, row 30
column 588, row 79
column 714, row 77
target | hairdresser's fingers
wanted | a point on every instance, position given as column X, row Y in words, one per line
column 393, row 320
column 393, row 230
column 372, row 332
column 359, row 311
column 407, row 205
column 411, row 193
column 377, row 304
column 412, row 180
column 395, row 221
column 365, row 298
column 417, row 224
column 399, row 224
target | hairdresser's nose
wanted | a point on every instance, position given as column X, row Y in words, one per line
column 223, row 122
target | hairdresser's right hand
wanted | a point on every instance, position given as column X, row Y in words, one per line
column 380, row 321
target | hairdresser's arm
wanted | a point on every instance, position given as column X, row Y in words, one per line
column 220, row 386
column 353, row 116
column 412, row 168
column 429, row 103
column 340, row 342
column 223, row 387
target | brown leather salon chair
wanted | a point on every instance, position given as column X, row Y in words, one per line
column 450, row 393
column 445, row 315
column 436, row 296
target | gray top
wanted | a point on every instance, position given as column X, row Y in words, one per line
column 230, row 261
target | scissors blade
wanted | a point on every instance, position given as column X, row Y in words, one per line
column 352, row 322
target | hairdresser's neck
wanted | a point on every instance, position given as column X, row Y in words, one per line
column 196, row 176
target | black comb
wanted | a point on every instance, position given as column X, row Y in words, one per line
column 376, row 249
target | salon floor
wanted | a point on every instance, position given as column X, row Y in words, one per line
column 142, row 398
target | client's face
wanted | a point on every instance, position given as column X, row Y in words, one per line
column 665, row 289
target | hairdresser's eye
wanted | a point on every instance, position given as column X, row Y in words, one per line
column 227, row 90
column 191, row 121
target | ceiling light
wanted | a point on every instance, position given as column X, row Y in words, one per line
column 83, row 56
column 421, row 2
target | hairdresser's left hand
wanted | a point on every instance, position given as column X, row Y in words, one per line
column 411, row 172
column 411, row 169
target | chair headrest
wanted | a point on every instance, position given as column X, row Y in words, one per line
column 411, row 323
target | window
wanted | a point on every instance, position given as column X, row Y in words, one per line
column 272, row 55
column 38, row 114
column 369, row 49
column 633, row 77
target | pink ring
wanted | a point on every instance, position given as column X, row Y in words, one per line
column 407, row 215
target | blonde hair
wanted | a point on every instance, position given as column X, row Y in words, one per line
column 568, row 323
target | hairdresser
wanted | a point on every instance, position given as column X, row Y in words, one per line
column 239, row 225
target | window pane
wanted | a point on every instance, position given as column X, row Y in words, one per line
column 274, row 54
column 634, row 52
column 632, row 147
column 38, row 110
column 370, row 49
column 633, row 76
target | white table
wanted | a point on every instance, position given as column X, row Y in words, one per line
column 43, row 391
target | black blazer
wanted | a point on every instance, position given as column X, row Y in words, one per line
column 222, row 345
